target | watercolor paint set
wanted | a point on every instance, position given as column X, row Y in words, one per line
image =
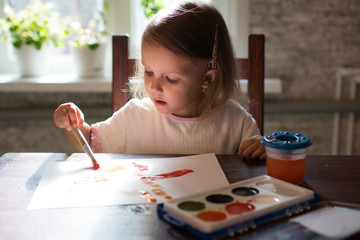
column 237, row 207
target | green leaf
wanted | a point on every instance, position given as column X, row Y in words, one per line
column 93, row 46
column 151, row 7
column 17, row 44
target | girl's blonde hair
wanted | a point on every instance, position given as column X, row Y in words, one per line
column 188, row 29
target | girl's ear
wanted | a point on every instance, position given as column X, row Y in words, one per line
column 209, row 78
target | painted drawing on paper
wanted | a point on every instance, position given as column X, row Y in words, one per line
column 73, row 183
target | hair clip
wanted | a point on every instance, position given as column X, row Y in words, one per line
column 212, row 62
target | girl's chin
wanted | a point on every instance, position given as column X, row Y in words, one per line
column 161, row 109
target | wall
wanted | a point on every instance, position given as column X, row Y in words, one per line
column 26, row 119
column 307, row 42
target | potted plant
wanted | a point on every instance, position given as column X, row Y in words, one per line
column 88, row 45
column 31, row 31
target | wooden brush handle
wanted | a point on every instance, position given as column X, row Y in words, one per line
column 79, row 136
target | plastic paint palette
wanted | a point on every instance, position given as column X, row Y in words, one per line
column 237, row 207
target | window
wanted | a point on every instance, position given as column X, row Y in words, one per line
column 78, row 9
column 123, row 17
column 79, row 12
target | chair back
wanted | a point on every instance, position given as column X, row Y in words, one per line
column 251, row 68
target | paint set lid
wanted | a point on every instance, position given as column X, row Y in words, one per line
column 286, row 140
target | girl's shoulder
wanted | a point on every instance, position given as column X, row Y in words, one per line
column 136, row 106
column 231, row 105
column 136, row 103
column 232, row 110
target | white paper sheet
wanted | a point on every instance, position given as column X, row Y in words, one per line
column 73, row 183
column 337, row 223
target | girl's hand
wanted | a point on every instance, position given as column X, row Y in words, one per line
column 68, row 114
column 253, row 148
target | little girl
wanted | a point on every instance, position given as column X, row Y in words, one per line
column 189, row 76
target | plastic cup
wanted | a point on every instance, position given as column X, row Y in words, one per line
column 286, row 156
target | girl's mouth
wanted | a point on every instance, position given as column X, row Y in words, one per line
column 159, row 102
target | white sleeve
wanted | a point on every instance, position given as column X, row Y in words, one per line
column 109, row 136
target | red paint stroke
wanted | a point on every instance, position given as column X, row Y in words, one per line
column 161, row 193
column 174, row 174
column 146, row 195
column 141, row 167
column 151, row 183
column 239, row 208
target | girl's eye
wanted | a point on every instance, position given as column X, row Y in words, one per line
column 172, row 80
column 149, row 73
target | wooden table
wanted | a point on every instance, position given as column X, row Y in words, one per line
column 335, row 178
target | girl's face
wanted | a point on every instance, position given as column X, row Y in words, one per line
column 174, row 83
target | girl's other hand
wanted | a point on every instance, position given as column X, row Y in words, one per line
column 68, row 114
column 253, row 148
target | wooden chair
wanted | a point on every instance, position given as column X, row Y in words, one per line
column 251, row 68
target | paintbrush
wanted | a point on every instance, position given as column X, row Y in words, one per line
column 81, row 139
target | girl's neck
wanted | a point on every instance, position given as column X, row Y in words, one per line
column 184, row 119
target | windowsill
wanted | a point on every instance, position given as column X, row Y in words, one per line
column 54, row 83
column 271, row 85
column 71, row 83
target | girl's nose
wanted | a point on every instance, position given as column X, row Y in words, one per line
column 156, row 84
